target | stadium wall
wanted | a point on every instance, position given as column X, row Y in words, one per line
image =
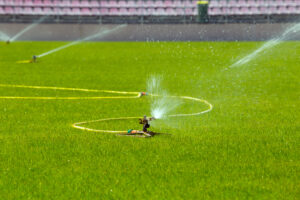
column 157, row 32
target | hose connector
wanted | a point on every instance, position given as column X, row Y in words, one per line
column 143, row 94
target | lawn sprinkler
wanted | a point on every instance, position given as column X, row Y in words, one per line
column 34, row 59
column 8, row 42
column 143, row 94
column 145, row 133
column 145, row 122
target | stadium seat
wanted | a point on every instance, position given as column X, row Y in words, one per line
column 103, row 4
column 94, row 4
column 245, row 10
column 85, row 3
column 132, row 11
column 76, row 3
column 132, row 4
column 223, row 3
column 27, row 11
column 150, row 7
column 158, row 4
column 214, row 4
column 86, row 11
column 263, row 10
column 8, row 10
column 48, row 11
column 213, row 11
column 122, row 3
column 57, row 11
column 104, row 11
column 191, row 4
column 28, row 2
column 160, row 11
column 282, row 10
column 113, row 11
column 178, row 4
column 37, row 3
column 235, row 11
column 113, row 4
column 18, row 10
column 95, row 11
column 37, row 11
column 17, row 2
column 170, row 11
column 57, row 3
column 123, row 11
column 232, row 3
column 75, row 11
column 254, row 10
column 139, row 4
column 149, row 11
column 168, row 3
column 1, row 11
column 252, row 3
column 279, row 2
column 48, row 3
column 272, row 10
column 66, row 11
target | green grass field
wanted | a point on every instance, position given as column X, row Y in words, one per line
column 247, row 147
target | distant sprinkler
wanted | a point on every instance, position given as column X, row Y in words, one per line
column 143, row 94
column 8, row 42
column 34, row 58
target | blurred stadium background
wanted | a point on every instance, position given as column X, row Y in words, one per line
column 150, row 11
column 149, row 20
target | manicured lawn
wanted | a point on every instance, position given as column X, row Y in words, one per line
column 247, row 147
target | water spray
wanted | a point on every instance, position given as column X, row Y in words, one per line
column 287, row 34
column 4, row 37
column 100, row 34
column 27, row 28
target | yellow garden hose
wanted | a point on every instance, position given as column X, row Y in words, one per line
column 80, row 125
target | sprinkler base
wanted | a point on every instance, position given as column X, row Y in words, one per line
column 138, row 133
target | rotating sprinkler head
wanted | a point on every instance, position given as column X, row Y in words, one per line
column 34, row 58
column 8, row 42
column 146, row 125
column 143, row 94
column 145, row 122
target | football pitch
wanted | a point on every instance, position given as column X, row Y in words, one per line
column 245, row 147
